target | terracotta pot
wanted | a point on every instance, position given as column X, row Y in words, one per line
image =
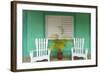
column 59, row 54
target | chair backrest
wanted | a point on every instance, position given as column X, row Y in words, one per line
column 78, row 48
column 41, row 46
column 79, row 43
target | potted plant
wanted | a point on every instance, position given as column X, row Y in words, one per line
column 59, row 44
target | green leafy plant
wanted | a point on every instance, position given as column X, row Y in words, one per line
column 59, row 44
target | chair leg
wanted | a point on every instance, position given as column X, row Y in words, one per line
column 86, row 53
column 48, row 59
column 48, row 55
column 31, row 56
column 72, row 54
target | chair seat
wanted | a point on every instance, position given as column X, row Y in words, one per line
column 40, row 58
column 78, row 58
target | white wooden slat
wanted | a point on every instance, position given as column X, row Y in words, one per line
column 39, row 47
column 78, row 40
column 83, row 45
column 44, row 47
column 43, row 42
column 80, row 45
column 36, row 43
column 76, row 44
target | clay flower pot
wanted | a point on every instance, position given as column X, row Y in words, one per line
column 59, row 54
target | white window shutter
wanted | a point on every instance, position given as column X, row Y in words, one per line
column 53, row 22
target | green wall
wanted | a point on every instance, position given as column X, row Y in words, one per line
column 34, row 27
column 82, row 28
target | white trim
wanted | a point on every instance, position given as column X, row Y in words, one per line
column 21, row 65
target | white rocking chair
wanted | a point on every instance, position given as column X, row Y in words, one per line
column 42, row 51
column 78, row 51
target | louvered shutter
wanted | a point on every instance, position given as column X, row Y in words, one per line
column 60, row 25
